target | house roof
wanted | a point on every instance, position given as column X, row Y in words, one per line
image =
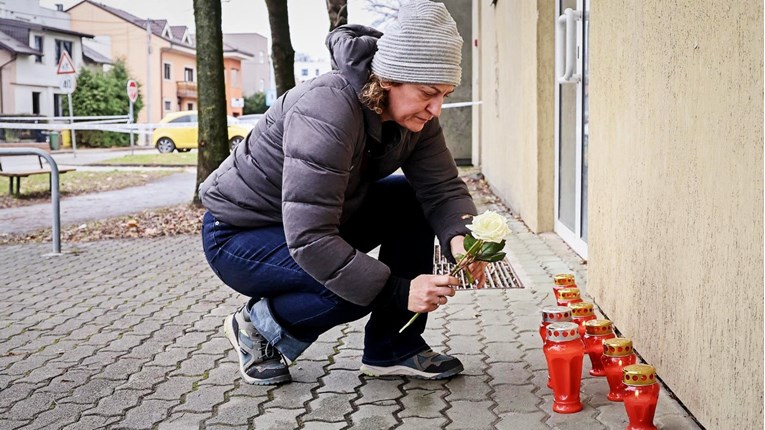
column 93, row 56
column 157, row 25
column 19, row 30
column 9, row 43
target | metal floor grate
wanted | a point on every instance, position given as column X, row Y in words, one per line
column 499, row 275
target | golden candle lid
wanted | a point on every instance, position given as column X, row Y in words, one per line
column 598, row 327
column 639, row 374
column 582, row 309
column 570, row 293
column 562, row 332
column 617, row 347
column 564, row 279
column 551, row 314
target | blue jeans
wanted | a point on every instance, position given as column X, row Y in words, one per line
column 294, row 309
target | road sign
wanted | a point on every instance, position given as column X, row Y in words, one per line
column 132, row 90
column 65, row 65
column 67, row 83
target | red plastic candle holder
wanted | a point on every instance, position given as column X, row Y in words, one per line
column 640, row 395
column 617, row 354
column 552, row 314
column 564, row 352
column 563, row 280
column 567, row 296
column 595, row 332
column 581, row 312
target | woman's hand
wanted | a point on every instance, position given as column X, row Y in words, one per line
column 477, row 269
column 428, row 292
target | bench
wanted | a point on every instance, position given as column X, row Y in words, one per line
column 15, row 175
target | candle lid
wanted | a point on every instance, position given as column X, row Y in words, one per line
column 617, row 347
column 564, row 279
column 569, row 293
column 639, row 374
column 598, row 327
column 562, row 331
column 551, row 314
column 581, row 309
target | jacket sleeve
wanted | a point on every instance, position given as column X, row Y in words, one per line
column 320, row 133
column 444, row 196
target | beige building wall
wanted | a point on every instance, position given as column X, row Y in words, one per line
column 676, row 195
column 178, row 61
column 7, row 76
column 128, row 44
column 516, row 51
column 675, row 178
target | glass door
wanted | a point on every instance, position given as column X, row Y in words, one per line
column 571, row 123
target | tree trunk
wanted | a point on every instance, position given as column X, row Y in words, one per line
column 338, row 13
column 281, row 46
column 211, row 88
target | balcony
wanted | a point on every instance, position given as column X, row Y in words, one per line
column 186, row 90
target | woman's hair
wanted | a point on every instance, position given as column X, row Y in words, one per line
column 373, row 95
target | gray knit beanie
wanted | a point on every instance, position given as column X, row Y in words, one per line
column 422, row 46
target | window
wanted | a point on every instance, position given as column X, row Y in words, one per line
column 318, row 72
column 261, row 57
column 262, row 85
column 36, row 103
column 304, row 72
column 182, row 119
column 64, row 45
column 190, row 106
column 168, row 106
column 188, row 74
column 234, row 77
column 38, row 45
column 166, row 71
column 58, row 104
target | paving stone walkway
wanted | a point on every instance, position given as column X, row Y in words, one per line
column 128, row 335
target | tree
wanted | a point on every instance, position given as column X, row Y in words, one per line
column 282, row 53
column 213, row 127
column 255, row 103
column 386, row 11
column 338, row 13
column 102, row 93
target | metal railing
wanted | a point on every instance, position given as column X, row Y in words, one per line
column 54, row 195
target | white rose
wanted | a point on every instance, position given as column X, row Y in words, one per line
column 489, row 227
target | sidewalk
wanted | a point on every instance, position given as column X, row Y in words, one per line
column 128, row 334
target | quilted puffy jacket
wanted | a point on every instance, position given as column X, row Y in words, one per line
column 307, row 165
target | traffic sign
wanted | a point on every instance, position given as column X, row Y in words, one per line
column 67, row 83
column 132, row 90
column 65, row 65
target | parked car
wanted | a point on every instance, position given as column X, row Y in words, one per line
column 177, row 137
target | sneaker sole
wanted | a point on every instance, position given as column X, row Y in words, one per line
column 407, row 371
column 232, row 337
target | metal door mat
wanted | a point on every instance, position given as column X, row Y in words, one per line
column 499, row 275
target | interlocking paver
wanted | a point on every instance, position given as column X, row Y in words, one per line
column 136, row 343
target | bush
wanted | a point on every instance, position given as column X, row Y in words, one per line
column 255, row 103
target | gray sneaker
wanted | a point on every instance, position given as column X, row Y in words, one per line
column 425, row 365
column 259, row 362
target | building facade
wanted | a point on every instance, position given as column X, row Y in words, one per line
column 662, row 192
column 256, row 71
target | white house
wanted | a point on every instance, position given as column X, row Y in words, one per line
column 308, row 68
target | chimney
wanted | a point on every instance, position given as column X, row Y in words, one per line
column 59, row 7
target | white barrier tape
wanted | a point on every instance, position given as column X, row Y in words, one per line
column 459, row 104
column 62, row 118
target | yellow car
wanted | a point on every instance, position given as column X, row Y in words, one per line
column 177, row 137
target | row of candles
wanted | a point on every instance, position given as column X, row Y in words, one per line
column 571, row 330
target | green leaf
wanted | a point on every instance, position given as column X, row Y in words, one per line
column 496, row 257
column 491, row 248
column 469, row 241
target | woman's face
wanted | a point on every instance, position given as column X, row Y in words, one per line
column 413, row 105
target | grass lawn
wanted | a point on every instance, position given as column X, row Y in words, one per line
column 155, row 159
column 36, row 189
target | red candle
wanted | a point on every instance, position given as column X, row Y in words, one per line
column 640, row 395
column 563, row 280
column 595, row 332
column 617, row 353
column 552, row 314
column 581, row 312
column 568, row 295
column 563, row 352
